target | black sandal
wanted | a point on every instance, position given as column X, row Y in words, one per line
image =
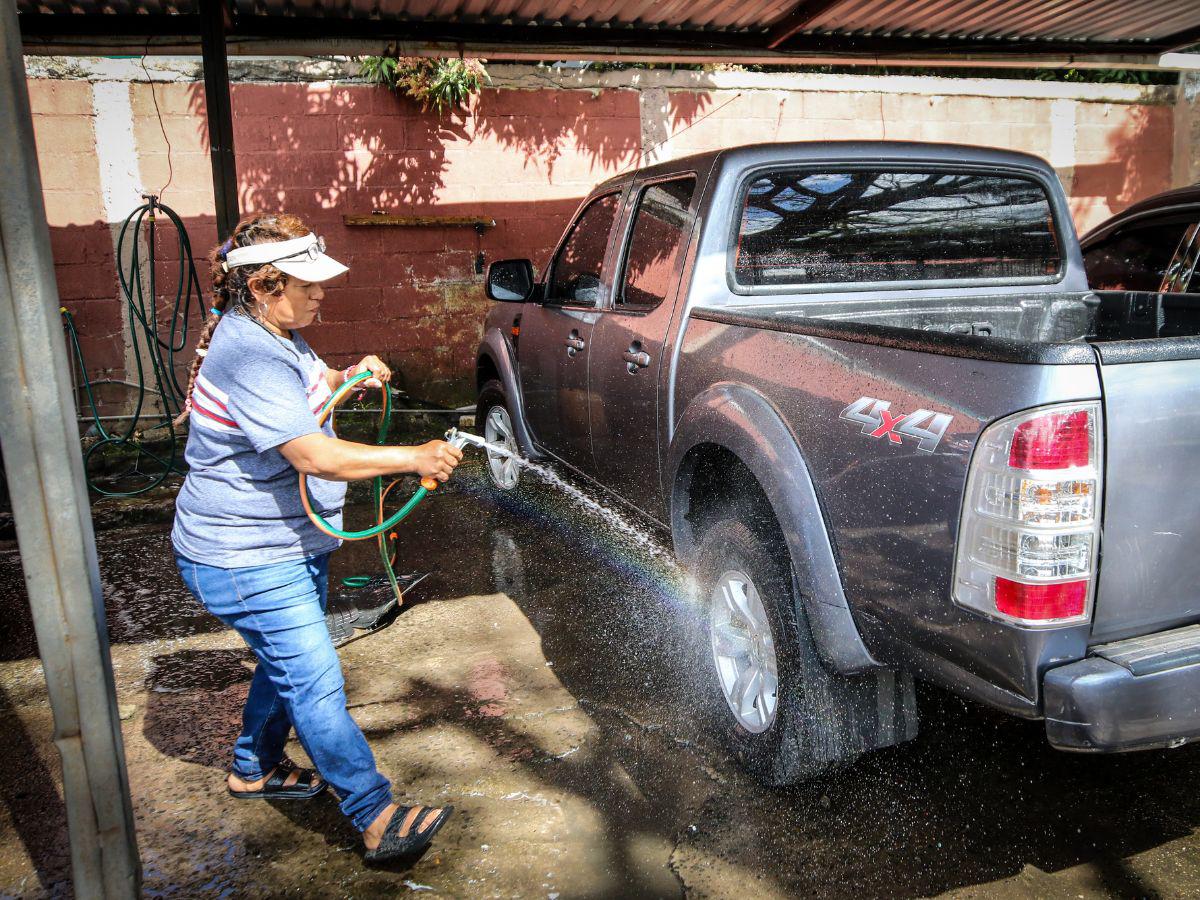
column 405, row 835
column 305, row 788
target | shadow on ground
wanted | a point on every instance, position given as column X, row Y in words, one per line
column 550, row 681
column 976, row 798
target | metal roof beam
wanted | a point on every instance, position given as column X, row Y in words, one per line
column 802, row 15
column 215, row 18
column 536, row 37
column 1181, row 40
column 185, row 45
column 299, row 35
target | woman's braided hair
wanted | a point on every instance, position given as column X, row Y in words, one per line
column 231, row 288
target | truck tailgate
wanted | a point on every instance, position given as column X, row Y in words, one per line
column 1150, row 545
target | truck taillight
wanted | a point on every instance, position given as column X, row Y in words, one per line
column 1030, row 530
column 1063, row 600
column 1052, row 441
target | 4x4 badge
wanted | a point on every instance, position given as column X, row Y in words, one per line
column 924, row 425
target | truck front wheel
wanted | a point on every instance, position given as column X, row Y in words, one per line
column 493, row 418
column 766, row 666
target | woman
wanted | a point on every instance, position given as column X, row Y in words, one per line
column 243, row 543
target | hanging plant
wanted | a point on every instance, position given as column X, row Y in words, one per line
column 438, row 84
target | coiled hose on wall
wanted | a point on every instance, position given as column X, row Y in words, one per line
column 149, row 348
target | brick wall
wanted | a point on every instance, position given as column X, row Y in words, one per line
column 523, row 154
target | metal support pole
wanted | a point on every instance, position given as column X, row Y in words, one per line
column 220, row 114
column 50, row 504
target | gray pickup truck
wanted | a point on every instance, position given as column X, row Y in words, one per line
column 891, row 430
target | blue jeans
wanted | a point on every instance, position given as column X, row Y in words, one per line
column 279, row 610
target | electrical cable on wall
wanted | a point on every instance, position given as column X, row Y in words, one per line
column 161, row 125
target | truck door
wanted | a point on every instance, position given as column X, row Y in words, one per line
column 628, row 356
column 556, row 333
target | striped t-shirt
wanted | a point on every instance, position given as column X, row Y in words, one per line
column 240, row 503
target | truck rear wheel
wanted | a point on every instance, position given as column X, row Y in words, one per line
column 786, row 717
column 762, row 655
column 494, row 419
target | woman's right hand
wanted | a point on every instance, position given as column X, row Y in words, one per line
column 436, row 459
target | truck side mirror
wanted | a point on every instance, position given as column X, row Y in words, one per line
column 510, row 280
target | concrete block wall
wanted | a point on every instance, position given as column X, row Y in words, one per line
column 64, row 127
column 524, row 153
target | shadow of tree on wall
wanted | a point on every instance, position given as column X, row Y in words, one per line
column 395, row 154
column 1135, row 162
column 606, row 129
column 414, row 295
column 302, row 147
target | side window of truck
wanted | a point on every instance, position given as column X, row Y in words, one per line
column 660, row 231
column 575, row 275
column 1134, row 258
column 860, row 225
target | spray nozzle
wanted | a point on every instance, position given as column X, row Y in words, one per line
column 461, row 439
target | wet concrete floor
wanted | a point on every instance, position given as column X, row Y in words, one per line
column 548, row 681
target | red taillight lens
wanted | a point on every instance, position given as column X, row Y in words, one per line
column 1053, row 441
column 1041, row 602
column 1030, row 531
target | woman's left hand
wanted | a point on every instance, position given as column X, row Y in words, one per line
column 373, row 364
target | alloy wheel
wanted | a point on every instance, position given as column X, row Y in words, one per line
column 743, row 651
column 498, row 429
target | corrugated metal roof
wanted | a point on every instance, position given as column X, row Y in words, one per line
column 785, row 24
column 689, row 15
column 1084, row 20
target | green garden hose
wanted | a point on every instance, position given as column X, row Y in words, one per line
column 381, row 530
column 144, row 323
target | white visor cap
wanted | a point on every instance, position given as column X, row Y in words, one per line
column 302, row 257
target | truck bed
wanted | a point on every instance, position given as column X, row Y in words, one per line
column 1126, row 326
column 1145, row 348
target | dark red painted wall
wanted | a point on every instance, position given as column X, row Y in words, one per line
column 522, row 157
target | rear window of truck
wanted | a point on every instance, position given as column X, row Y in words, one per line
column 870, row 226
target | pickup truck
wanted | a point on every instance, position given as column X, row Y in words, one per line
column 893, row 434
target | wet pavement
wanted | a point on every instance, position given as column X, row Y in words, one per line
column 548, row 680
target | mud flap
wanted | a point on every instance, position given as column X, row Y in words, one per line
column 869, row 712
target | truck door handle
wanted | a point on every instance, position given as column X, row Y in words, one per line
column 637, row 359
column 574, row 343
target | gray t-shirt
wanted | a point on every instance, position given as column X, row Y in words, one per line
column 240, row 503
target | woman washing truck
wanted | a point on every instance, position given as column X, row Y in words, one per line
column 243, row 543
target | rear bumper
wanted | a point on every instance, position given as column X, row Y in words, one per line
column 1136, row 694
